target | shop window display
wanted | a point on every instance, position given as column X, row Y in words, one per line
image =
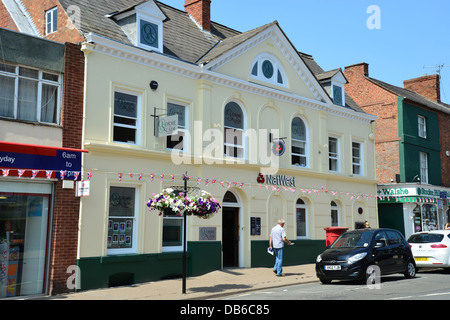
column 121, row 222
column 425, row 217
column 23, row 238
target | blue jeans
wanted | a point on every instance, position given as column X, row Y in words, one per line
column 278, row 267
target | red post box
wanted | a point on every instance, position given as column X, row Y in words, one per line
column 333, row 233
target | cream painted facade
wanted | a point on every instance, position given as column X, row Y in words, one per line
column 205, row 91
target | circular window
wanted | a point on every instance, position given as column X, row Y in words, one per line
column 267, row 69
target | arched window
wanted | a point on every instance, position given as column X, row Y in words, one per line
column 234, row 121
column 301, row 217
column 299, row 143
column 230, row 197
column 267, row 68
column 334, row 214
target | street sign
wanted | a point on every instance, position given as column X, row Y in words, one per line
column 83, row 188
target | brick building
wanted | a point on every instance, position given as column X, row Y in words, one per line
column 412, row 146
column 41, row 107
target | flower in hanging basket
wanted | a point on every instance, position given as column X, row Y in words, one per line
column 206, row 205
column 168, row 202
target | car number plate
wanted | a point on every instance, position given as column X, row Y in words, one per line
column 421, row 259
column 338, row 267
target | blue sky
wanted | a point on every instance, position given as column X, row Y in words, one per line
column 413, row 34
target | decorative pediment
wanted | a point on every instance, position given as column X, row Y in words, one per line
column 265, row 56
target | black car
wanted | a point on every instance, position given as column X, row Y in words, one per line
column 364, row 254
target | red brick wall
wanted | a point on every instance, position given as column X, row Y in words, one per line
column 444, row 132
column 5, row 19
column 37, row 10
column 64, row 238
column 377, row 101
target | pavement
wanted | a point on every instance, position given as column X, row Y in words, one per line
column 212, row 285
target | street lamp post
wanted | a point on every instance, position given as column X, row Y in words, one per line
column 185, row 178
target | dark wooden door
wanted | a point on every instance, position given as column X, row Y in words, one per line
column 230, row 236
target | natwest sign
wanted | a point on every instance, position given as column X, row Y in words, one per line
column 277, row 180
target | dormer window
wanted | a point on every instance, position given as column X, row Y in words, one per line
column 143, row 25
column 268, row 69
column 334, row 83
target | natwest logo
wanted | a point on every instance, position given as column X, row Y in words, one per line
column 278, row 180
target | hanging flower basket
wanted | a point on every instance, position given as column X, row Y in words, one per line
column 205, row 205
column 172, row 204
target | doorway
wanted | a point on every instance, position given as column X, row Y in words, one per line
column 230, row 236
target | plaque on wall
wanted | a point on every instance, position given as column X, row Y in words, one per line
column 207, row 233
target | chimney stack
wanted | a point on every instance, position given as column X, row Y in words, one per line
column 427, row 86
column 358, row 70
column 200, row 11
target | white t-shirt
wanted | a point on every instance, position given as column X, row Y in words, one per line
column 277, row 235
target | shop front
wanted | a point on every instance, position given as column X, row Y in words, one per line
column 28, row 191
column 413, row 208
column 24, row 218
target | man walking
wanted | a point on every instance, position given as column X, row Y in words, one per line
column 276, row 243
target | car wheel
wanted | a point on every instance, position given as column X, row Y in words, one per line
column 325, row 281
column 371, row 275
column 410, row 270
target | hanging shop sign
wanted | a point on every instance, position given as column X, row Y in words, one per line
column 167, row 125
column 278, row 148
column 37, row 161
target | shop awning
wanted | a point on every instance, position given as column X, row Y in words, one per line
column 37, row 161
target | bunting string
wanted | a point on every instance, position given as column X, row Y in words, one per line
column 75, row 175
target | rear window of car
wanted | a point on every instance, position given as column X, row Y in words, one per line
column 425, row 238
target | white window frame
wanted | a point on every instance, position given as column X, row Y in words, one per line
column 334, row 156
column 40, row 82
column 137, row 126
column 423, row 156
column 135, row 218
column 181, row 129
column 51, row 21
column 305, row 207
column 358, row 161
column 335, row 208
column 241, row 131
column 277, row 68
column 422, row 126
column 305, row 142
column 174, row 248
column 142, row 17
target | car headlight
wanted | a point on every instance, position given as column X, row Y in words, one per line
column 356, row 257
column 319, row 258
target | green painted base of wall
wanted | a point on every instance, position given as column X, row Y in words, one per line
column 302, row 252
column 109, row 271
column 202, row 257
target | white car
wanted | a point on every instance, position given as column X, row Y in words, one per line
column 431, row 249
